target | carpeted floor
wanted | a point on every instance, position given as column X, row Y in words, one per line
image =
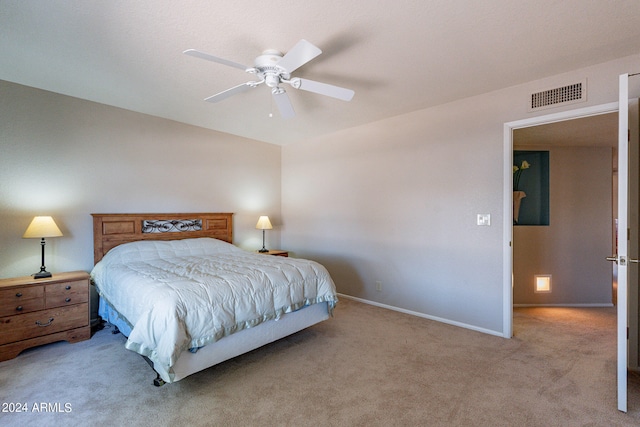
column 367, row 366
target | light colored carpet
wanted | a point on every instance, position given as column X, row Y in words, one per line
column 367, row 366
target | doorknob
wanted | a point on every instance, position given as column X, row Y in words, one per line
column 623, row 260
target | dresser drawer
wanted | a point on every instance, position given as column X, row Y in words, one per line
column 66, row 293
column 45, row 322
column 21, row 300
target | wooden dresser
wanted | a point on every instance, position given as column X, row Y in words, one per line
column 41, row 311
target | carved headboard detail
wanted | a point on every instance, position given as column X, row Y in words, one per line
column 111, row 230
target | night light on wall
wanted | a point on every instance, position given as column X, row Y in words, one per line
column 543, row 283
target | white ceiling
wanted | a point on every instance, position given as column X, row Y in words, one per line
column 398, row 55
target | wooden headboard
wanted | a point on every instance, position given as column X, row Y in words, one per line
column 111, row 230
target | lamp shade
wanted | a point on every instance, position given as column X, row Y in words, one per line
column 42, row 226
column 264, row 223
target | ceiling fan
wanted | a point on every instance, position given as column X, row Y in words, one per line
column 273, row 69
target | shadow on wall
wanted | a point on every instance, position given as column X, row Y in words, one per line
column 347, row 278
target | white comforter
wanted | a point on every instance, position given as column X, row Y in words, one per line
column 184, row 294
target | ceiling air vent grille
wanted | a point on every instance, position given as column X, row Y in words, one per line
column 556, row 97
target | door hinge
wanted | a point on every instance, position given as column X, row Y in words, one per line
column 627, row 332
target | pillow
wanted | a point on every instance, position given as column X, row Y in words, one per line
column 145, row 250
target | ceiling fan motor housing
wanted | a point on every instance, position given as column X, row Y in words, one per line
column 267, row 68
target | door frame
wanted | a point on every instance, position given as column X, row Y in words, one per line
column 509, row 127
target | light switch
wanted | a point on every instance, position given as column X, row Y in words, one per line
column 484, row 219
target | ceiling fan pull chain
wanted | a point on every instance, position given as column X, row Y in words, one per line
column 271, row 106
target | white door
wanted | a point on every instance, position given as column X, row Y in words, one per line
column 627, row 234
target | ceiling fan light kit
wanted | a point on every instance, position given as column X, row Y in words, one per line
column 273, row 68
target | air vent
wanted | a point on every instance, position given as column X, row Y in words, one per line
column 570, row 94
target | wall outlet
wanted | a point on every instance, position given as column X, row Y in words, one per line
column 378, row 285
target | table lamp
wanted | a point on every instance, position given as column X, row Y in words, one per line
column 264, row 224
column 41, row 227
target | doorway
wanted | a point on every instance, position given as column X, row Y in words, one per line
column 509, row 130
column 568, row 251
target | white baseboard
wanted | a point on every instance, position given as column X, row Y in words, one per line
column 425, row 316
column 605, row 304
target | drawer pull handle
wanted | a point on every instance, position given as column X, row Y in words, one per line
column 45, row 324
column 19, row 308
column 19, row 294
column 67, row 300
column 67, row 287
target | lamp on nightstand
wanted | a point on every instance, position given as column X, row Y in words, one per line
column 41, row 227
column 264, row 224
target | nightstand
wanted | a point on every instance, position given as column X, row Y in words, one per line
column 41, row 311
column 276, row 252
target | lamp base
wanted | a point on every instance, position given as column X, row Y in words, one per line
column 42, row 275
column 263, row 250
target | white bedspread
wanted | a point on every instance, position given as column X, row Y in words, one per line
column 184, row 294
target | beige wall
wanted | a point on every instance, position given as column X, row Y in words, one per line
column 573, row 247
column 396, row 201
column 68, row 158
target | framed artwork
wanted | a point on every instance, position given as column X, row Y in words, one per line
column 531, row 187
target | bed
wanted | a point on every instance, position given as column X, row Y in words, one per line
column 186, row 298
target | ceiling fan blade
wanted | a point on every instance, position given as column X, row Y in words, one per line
column 283, row 102
column 299, row 55
column 323, row 88
column 230, row 92
column 202, row 55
